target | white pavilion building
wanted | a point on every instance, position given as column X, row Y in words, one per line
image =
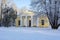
column 28, row 18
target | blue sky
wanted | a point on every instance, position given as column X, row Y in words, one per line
column 22, row 3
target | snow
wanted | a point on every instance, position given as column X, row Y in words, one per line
column 27, row 33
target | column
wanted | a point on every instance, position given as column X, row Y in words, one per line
column 37, row 22
column 26, row 21
column 21, row 21
column 32, row 21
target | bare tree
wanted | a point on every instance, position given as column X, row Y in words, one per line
column 50, row 7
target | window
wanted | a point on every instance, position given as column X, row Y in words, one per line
column 42, row 21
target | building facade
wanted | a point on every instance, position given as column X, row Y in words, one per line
column 29, row 19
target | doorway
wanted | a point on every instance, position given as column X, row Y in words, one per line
column 19, row 22
column 29, row 23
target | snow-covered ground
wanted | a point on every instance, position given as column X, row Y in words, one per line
column 27, row 33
